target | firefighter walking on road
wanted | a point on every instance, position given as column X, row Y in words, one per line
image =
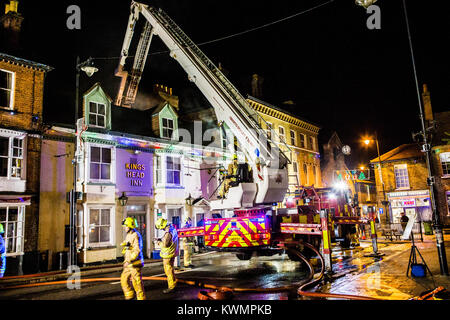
column 168, row 253
column 2, row 252
column 188, row 245
column 133, row 261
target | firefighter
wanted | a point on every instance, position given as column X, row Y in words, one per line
column 2, row 252
column 168, row 252
column 188, row 244
column 230, row 178
column 133, row 261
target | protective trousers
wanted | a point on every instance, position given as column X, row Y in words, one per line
column 187, row 247
column 170, row 273
column 136, row 279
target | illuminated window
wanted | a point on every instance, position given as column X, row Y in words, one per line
column 11, row 157
column 6, row 89
column 97, row 114
column 401, row 176
column 100, row 227
column 445, row 162
column 312, row 144
column 12, row 219
column 100, row 163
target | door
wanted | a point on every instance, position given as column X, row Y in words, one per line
column 139, row 213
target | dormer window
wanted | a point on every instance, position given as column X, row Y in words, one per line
column 97, row 114
column 167, row 128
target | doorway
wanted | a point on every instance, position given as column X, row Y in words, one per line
column 139, row 213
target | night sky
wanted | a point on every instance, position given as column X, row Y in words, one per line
column 340, row 74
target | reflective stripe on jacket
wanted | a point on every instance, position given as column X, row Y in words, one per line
column 167, row 252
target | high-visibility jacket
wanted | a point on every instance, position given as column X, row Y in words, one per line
column 133, row 252
column 168, row 248
column 174, row 233
column 2, row 256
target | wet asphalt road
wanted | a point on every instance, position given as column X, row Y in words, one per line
column 220, row 269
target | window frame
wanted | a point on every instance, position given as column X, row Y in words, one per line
column 293, row 137
column 269, row 128
column 11, row 90
column 282, row 137
column 112, row 164
column 111, row 225
column 10, row 157
column 173, row 170
column 19, row 233
column 302, row 138
column 97, row 114
column 446, row 167
column 167, row 128
column 401, row 168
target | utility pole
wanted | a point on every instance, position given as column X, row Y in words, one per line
column 426, row 148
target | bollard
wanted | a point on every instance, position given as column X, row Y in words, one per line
column 373, row 236
column 326, row 240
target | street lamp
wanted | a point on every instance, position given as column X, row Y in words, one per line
column 385, row 203
column 123, row 199
column 89, row 68
column 426, row 148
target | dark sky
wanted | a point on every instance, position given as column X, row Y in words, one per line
column 340, row 74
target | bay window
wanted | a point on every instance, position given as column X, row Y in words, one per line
column 12, row 219
column 100, row 226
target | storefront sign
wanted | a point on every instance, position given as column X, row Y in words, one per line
column 134, row 172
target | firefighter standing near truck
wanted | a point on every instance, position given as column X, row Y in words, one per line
column 167, row 253
column 230, row 178
column 2, row 252
column 133, row 261
column 188, row 245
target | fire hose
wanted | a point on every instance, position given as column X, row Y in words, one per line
column 223, row 292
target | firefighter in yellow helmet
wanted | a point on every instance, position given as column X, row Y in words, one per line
column 167, row 253
column 188, row 245
column 133, row 261
column 230, row 178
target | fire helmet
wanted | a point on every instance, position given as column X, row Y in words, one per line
column 161, row 223
column 130, row 223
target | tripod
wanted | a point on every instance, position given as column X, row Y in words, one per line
column 413, row 257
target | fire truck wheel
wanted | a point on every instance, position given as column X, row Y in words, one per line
column 244, row 256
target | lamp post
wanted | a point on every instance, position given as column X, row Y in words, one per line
column 88, row 67
column 426, row 148
column 383, row 202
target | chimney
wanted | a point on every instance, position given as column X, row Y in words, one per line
column 11, row 25
column 427, row 104
column 257, row 82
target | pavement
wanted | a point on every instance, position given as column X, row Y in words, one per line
column 386, row 277
column 354, row 273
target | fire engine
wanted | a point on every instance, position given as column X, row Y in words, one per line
column 256, row 225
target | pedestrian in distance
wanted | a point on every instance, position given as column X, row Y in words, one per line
column 133, row 261
column 168, row 252
column 404, row 220
column 2, row 252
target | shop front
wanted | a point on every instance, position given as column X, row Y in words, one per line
column 412, row 203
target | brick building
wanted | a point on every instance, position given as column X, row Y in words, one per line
column 403, row 172
column 21, row 103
